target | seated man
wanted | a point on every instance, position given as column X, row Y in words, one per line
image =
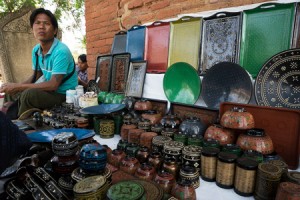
column 82, row 71
column 53, row 66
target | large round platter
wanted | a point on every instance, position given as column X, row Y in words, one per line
column 152, row 190
column 278, row 82
column 226, row 82
column 102, row 109
column 125, row 190
column 47, row 135
column 181, row 83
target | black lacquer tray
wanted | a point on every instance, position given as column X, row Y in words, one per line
column 220, row 39
column 226, row 82
column 278, row 81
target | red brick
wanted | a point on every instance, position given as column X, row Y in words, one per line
column 160, row 5
column 135, row 4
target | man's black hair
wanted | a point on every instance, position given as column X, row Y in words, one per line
column 82, row 57
column 46, row 12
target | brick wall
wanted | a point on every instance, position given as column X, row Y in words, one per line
column 104, row 18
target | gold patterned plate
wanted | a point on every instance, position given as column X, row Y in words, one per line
column 278, row 82
column 152, row 190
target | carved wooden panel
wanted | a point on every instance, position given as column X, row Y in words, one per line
column 103, row 71
column 120, row 67
column 207, row 116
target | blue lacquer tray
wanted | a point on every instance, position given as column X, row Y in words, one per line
column 46, row 136
column 102, row 109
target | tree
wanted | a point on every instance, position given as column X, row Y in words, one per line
column 73, row 10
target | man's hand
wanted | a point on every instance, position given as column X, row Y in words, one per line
column 11, row 88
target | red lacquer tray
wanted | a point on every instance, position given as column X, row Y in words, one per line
column 281, row 124
column 157, row 47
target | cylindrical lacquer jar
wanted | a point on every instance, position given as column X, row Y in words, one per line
column 225, row 170
column 245, row 175
column 209, row 163
column 191, row 155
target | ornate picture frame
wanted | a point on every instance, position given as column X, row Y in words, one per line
column 103, row 72
column 120, row 67
column 136, row 79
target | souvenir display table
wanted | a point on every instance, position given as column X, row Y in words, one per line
column 206, row 191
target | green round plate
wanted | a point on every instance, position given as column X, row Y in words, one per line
column 128, row 190
column 181, row 83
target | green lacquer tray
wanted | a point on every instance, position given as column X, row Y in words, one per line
column 128, row 190
column 267, row 30
column 182, row 84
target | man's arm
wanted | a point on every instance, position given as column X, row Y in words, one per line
column 38, row 75
column 51, row 85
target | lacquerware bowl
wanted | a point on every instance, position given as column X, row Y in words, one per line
column 93, row 157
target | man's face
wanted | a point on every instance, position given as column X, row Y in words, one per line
column 42, row 28
column 82, row 65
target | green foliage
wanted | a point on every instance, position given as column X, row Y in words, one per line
column 71, row 11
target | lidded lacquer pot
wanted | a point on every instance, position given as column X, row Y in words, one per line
column 171, row 121
column 256, row 139
column 153, row 116
column 65, row 144
column 223, row 135
column 143, row 105
column 115, row 157
column 173, row 149
column 146, row 171
column 93, row 157
column 237, row 118
column 165, row 179
column 129, row 165
column 192, row 126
